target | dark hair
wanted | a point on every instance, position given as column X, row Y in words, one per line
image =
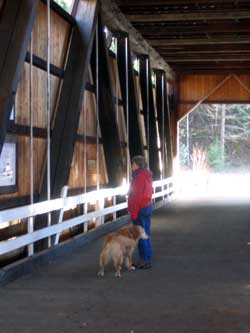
column 140, row 161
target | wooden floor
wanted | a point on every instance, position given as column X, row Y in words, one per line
column 200, row 281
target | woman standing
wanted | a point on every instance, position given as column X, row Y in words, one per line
column 140, row 206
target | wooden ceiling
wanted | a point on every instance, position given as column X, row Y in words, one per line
column 194, row 36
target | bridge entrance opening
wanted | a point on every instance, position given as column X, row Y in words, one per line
column 214, row 151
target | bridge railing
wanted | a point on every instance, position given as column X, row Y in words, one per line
column 162, row 189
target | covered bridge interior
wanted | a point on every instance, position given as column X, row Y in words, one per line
column 85, row 85
column 204, row 42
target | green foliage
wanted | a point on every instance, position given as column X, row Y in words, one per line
column 153, row 77
column 238, row 120
column 206, row 127
column 64, row 4
column 136, row 65
column 183, row 155
column 215, row 156
column 113, row 45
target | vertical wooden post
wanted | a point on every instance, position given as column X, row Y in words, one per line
column 169, row 169
column 149, row 114
column 71, row 98
column 174, row 117
column 107, row 115
column 70, row 103
column 161, row 113
column 135, row 137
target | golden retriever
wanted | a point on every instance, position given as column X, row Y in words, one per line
column 119, row 246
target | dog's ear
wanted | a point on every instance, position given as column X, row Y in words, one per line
column 136, row 232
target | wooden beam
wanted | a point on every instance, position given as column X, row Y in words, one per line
column 191, row 16
column 16, row 201
column 161, row 112
column 194, row 35
column 71, row 98
column 149, row 3
column 115, row 20
column 149, row 115
column 89, row 139
column 203, row 98
column 16, row 23
column 135, row 136
column 200, row 41
column 66, row 123
column 219, row 48
column 208, row 57
column 174, row 116
column 74, row 9
column 183, row 10
column 185, row 28
column 42, row 64
column 170, row 168
column 24, row 130
column 212, row 101
column 61, row 12
column 207, row 71
column 162, row 97
column 213, row 65
column 241, row 83
column 41, row 133
column 201, row 53
column 108, row 125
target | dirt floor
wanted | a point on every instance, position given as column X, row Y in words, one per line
column 200, row 281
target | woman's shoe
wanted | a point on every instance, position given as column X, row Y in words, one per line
column 145, row 265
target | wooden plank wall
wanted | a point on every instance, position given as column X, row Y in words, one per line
column 141, row 118
column 77, row 170
column 17, row 19
column 60, row 38
column 173, row 98
column 39, row 90
column 119, row 107
column 157, row 112
column 193, row 88
column 60, row 42
column 60, row 32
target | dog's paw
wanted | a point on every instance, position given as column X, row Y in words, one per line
column 100, row 273
column 131, row 268
column 117, row 274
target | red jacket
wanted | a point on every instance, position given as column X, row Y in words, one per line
column 140, row 192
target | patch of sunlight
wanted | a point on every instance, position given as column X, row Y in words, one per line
column 203, row 184
column 65, row 4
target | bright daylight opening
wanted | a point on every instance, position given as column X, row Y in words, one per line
column 214, row 152
column 65, row 4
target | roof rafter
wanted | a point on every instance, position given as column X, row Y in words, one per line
column 210, row 34
column 193, row 28
column 204, row 41
column 206, row 59
column 204, row 48
column 133, row 3
column 191, row 16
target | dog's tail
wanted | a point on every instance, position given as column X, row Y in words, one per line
column 107, row 240
column 104, row 257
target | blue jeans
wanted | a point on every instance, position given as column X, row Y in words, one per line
column 144, row 245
